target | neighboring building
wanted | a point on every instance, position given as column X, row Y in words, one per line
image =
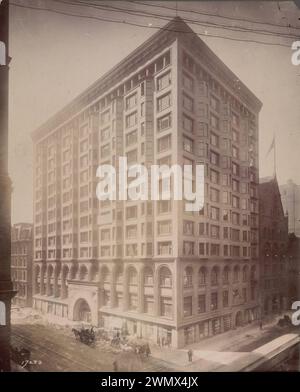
column 274, row 261
column 6, row 291
column 290, row 196
column 294, row 268
column 148, row 266
column 21, row 263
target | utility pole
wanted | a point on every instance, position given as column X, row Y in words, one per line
column 6, row 289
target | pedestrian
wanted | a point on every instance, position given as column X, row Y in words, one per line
column 115, row 366
column 148, row 351
column 190, row 355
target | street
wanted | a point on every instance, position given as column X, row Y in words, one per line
column 54, row 349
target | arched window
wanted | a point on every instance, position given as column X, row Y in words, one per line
column 119, row 275
column 253, row 271
column 83, row 273
column 74, row 271
column 188, row 277
column 105, row 275
column 165, row 277
column 214, row 276
column 202, row 276
column 132, row 276
column 236, row 273
column 148, row 276
column 245, row 273
column 94, row 272
column 2, row 313
column 226, row 275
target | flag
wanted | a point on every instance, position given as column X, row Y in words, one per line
column 271, row 146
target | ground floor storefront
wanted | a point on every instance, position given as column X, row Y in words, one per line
column 170, row 336
column 160, row 331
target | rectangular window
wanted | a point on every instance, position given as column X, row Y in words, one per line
column 214, row 213
column 188, row 144
column 164, row 206
column 187, row 306
column 164, row 122
column 131, row 101
column 225, row 299
column 131, row 120
column 164, row 227
column 201, row 249
column 214, row 176
column 166, row 307
column 187, row 82
column 188, row 227
column 188, row 103
column 214, row 121
column 163, row 81
column 131, row 231
column 235, row 120
column 214, row 301
column 148, row 304
column 105, row 134
column 214, row 140
column 214, row 158
column 131, row 212
column 164, row 143
column 164, row 248
column 188, row 248
column 132, row 156
column 187, row 123
column 215, row 104
column 201, row 303
column 235, row 202
column 131, row 138
column 215, row 231
column 105, row 117
column 163, row 102
column 214, row 249
column 214, row 195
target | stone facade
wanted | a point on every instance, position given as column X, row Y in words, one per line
column 150, row 267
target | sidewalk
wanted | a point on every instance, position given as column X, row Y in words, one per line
column 216, row 351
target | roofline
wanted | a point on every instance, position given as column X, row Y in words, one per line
column 176, row 26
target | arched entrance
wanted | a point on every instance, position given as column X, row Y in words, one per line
column 82, row 311
column 239, row 319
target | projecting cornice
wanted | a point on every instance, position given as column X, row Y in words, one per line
column 177, row 28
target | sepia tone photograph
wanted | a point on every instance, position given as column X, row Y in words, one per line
column 149, row 187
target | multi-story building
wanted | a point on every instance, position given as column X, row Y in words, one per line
column 21, row 263
column 147, row 266
column 274, row 260
column 293, row 254
column 290, row 196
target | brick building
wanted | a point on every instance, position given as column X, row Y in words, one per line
column 274, row 260
column 21, row 263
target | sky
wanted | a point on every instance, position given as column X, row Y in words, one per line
column 55, row 57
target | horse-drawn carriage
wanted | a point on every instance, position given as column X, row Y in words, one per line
column 85, row 335
column 140, row 346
